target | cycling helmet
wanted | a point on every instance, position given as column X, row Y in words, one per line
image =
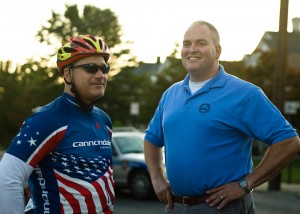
column 78, row 47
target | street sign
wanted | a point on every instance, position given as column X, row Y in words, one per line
column 291, row 107
column 134, row 108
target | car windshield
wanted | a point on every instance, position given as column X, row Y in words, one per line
column 130, row 143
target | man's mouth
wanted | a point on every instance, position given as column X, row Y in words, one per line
column 193, row 57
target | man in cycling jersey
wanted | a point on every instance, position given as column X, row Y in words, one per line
column 63, row 150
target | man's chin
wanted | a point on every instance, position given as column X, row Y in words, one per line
column 98, row 96
column 192, row 67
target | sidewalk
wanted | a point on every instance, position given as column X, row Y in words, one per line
column 285, row 201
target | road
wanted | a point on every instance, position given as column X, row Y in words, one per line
column 282, row 202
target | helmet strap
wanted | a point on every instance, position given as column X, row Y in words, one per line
column 84, row 106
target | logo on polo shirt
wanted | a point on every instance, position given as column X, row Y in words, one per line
column 205, row 107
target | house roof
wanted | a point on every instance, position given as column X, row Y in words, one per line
column 270, row 39
column 151, row 68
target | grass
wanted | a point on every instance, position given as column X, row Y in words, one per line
column 291, row 174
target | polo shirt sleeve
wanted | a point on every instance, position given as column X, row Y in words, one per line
column 154, row 132
column 262, row 120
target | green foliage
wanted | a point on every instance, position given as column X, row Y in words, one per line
column 122, row 90
column 21, row 90
column 33, row 84
column 263, row 76
column 290, row 174
column 235, row 68
column 93, row 21
column 99, row 22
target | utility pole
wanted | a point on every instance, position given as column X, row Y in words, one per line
column 280, row 70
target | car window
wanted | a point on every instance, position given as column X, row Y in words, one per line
column 114, row 152
column 130, row 144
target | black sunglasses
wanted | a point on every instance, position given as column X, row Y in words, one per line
column 93, row 68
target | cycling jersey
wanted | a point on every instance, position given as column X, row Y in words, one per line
column 70, row 152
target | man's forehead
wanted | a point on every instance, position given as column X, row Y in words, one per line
column 197, row 32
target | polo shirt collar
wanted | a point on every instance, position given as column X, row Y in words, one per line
column 217, row 81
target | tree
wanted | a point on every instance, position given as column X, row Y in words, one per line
column 99, row 22
column 22, row 89
column 8, row 94
column 235, row 68
column 93, row 21
column 262, row 75
column 122, row 90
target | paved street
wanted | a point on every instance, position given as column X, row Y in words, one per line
column 285, row 201
column 282, row 202
column 278, row 202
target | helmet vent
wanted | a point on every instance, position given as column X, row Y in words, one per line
column 92, row 37
column 88, row 41
column 81, row 44
column 101, row 44
column 69, row 50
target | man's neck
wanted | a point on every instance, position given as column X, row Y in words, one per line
column 203, row 76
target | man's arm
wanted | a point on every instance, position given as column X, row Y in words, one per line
column 154, row 160
column 13, row 178
column 277, row 157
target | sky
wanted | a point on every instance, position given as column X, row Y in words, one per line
column 154, row 26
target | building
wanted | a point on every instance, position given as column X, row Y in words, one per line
column 269, row 42
column 150, row 68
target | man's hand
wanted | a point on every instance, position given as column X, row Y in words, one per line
column 154, row 160
column 163, row 191
column 222, row 195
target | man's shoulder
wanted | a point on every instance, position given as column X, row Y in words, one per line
column 100, row 113
column 239, row 83
column 53, row 112
column 175, row 86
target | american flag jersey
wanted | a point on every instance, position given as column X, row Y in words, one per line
column 70, row 151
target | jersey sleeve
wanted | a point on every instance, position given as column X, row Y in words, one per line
column 13, row 179
column 37, row 137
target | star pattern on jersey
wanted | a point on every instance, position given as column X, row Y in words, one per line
column 87, row 169
column 23, row 136
column 31, row 141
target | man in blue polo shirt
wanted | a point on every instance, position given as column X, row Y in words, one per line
column 207, row 124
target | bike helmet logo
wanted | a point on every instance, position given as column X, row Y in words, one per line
column 204, row 108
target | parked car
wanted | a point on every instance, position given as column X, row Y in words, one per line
column 130, row 169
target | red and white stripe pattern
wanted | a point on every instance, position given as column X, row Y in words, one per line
column 46, row 146
column 80, row 196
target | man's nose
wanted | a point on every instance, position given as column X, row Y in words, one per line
column 193, row 47
column 99, row 74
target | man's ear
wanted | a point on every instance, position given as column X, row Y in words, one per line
column 218, row 51
column 67, row 75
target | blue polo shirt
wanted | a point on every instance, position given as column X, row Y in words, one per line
column 208, row 135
